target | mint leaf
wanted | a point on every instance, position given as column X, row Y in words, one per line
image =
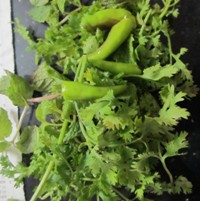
column 61, row 5
column 40, row 13
column 28, row 140
column 16, row 88
column 5, row 124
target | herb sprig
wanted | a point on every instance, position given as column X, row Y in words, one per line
column 109, row 148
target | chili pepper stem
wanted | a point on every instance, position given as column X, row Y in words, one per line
column 43, row 98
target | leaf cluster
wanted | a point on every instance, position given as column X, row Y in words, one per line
column 109, row 148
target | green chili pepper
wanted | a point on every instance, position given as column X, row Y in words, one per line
column 117, row 35
column 104, row 18
column 117, row 67
column 79, row 91
column 122, row 22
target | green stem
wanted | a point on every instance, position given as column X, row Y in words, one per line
column 166, row 170
column 20, row 123
column 145, row 22
column 124, row 198
column 98, row 198
column 165, row 9
column 88, row 139
column 62, row 132
column 67, row 17
column 83, row 66
column 81, row 69
column 51, row 164
column 170, row 48
column 42, row 182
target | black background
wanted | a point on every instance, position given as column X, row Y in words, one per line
column 187, row 34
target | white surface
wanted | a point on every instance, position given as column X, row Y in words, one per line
column 7, row 189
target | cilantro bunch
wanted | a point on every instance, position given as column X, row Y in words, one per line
column 111, row 148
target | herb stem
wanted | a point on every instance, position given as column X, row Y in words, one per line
column 62, row 132
column 83, row 66
column 43, row 98
column 165, row 9
column 170, row 48
column 87, row 138
column 145, row 22
column 124, row 198
column 42, row 182
column 20, row 123
column 81, row 69
column 167, row 170
column 67, row 16
column 51, row 164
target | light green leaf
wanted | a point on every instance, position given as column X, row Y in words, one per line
column 175, row 145
column 182, row 185
column 45, row 108
column 158, row 72
column 28, row 140
column 45, row 78
column 16, row 88
column 40, row 13
column 171, row 113
column 61, row 5
column 5, row 124
column 39, row 2
column 4, row 145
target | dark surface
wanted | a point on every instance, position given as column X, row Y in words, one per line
column 187, row 28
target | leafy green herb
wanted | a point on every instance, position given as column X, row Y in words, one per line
column 109, row 148
column 5, row 124
column 16, row 88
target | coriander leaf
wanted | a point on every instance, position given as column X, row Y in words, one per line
column 5, row 125
column 171, row 113
column 182, row 185
column 176, row 144
column 26, row 35
column 40, row 13
column 158, row 72
column 16, row 88
column 28, row 140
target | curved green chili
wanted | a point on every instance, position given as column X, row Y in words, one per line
column 104, row 18
column 78, row 91
column 122, row 22
column 117, row 35
column 117, row 67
